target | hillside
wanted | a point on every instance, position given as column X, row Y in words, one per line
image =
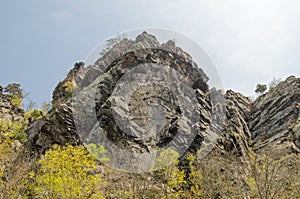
column 163, row 132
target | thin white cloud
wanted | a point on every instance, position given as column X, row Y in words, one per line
column 251, row 41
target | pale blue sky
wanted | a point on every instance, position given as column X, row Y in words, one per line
column 250, row 41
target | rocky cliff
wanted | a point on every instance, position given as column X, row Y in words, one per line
column 273, row 121
column 233, row 121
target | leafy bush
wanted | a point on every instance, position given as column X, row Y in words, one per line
column 34, row 114
column 13, row 167
column 97, row 151
column 14, row 93
column 67, row 172
column 274, row 178
column 260, row 88
column 14, row 130
column 69, row 87
column 173, row 177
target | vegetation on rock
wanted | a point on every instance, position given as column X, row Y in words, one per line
column 255, row 156
column 260, row 88
column 66, row 172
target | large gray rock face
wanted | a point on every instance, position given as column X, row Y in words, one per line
column 147, row 96
column 236, row 135
column 270, row 124
column 236, row 122
column 59, row 126
column 274, row 116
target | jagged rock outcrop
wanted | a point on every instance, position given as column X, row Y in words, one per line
column 269, row 124
column 63, row 91
column 274, row 116
column 58, row 125
column 152, row 94
column 234, row 121
column 236, row 135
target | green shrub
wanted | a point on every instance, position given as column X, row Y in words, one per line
column 66, row 172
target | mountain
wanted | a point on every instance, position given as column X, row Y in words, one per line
column 266, row 123
column 139, row 99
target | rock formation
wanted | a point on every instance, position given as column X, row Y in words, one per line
column 236, row 135
column 266, row 123
column 58, row 126
column 273, row 120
